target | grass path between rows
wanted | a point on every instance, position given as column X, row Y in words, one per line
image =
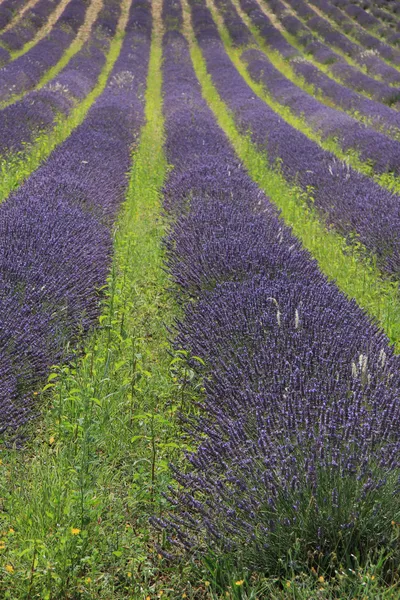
column 15, row 168
column 77, row 501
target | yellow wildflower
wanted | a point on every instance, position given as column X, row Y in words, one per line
column 129, row 574
column 52, row 440
column 184, row 595
column 75, row 531
column 206, row 583
column 372, row 577
column 288, row 584
column 11, row 530
column 88, row 579
column 240, row 582
column 321, row 579
column 9, row 569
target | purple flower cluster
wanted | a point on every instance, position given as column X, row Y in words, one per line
column 299, row 385
column 347, row 199
column 56, row 230
column 26, row 29
column 36, row 112
column 372, row 146
column 25, row 72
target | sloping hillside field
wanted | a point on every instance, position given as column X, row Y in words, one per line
column 199, row 299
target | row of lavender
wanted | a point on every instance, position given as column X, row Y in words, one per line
column 25, row 72
column 322, row 53
column 38, row 111
column 372, row 146
column 368, row 20
column 335, row 38
column 350, row 201
column 56, row 230
column 363, row 39
column 9, row 8
column 381, row 116
column 301, row 411
column 26, row 28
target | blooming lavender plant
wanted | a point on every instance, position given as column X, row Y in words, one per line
column 56, row 230
column 297, row 437
column 338, row 40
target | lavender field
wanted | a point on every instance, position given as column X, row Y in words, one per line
column 199, row 299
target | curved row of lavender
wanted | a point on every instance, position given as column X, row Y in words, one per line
column 368, row 20
column 56, row 230
column 302, row 399
column 350, row 201
column 350, row 27
column 333, row 37
column 371, row 145
column 26, row 28
column 323, row 54
column 381, row 116
column 37, row 111
column 9, row 8
column 23, row 73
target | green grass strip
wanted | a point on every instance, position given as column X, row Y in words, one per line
column 386, row 180
column 15, row 168
column 358, row 278
column 76, row 502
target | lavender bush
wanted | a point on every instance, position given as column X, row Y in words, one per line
column 297, row 437
column 56, row 231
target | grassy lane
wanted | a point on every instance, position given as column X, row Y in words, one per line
column 77, row 500
column 387, row 180
column 15, row 168
column 356, row 276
